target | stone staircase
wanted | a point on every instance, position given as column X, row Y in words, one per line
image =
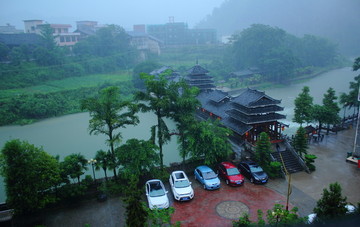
column 290, row 160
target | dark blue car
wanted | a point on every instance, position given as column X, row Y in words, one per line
column 253, row 172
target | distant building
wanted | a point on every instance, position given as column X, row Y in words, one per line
column 87, row 28
column 178, row 34
column 60, row 31
column 16, row 40
column 9, row 29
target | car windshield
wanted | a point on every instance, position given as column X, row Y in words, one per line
column 156, row 189
column 256, row 169
column 232, row 171
column 181, row 184
column 209, row 175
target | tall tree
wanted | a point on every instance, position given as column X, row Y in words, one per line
column 157, row 99
column 332, row 108
column 263, row 149
column 109, row 113
column 136, row 214
column 300, row 141
column 183, row 107
column 30, row 175
column 303, row 107
column 331, row 204
column 207, row 139
column 319, row 114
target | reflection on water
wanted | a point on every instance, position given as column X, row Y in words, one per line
column 68, row 134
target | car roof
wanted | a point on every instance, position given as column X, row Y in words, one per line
column 153, row 181
column 228, row 165
column 179, row 174
column 250, row 163
column 204, row 168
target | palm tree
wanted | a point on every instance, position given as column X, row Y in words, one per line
column 103, row 160
column 109, row 113
column 74, row 165
column 157, row 99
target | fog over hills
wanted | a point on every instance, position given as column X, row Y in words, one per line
column 337, row 20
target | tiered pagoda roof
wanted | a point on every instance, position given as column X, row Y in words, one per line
column 240, row 113
column 198, row 77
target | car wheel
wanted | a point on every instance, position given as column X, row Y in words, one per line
column 227, row 182
column 252, row 180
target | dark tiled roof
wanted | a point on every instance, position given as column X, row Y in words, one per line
column 20, row 39
column 257, row 110
column 216, row 108
column 250, row 97
column 254, row 119
column 199, row 77
column 236, row 126
column 218, row 96
column 197, row 70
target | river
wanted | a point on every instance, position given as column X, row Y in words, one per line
column 68, row 134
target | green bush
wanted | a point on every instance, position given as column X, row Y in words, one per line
column 309, row 160
column 274, row 169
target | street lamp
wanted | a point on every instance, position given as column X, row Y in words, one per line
column 92, row 162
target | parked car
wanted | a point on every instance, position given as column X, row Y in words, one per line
column 181, row 186
column 156, row 194
column 207, row 177
column 253, row 172
column 230, row 173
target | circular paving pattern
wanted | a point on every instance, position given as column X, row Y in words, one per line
column 231, row 209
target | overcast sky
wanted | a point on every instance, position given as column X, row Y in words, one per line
column 125, row 13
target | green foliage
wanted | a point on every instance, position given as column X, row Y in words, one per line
column 143, row 67
column 300, row 142
column 157, row 99
column 74, row 166
column 136, row 214
column 160, row 217
column 111, row 188
column 309, row 160
column 331, row 204
column 303, row 107
column 137, row 157
column 274, row 169
column 209, row 140
column 243, row 221
column 319, row 114
column 278, row 53
column 263, row 149
column 29, row 174
column 108, row 113
column 103, row 160
column 279, row 216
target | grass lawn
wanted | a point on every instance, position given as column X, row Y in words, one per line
column 69, row 84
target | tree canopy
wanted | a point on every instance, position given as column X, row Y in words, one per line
column 303, row 107
column 30, row 175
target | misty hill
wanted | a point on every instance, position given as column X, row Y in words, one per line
column 337, row 20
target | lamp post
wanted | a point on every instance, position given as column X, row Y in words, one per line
column 92, row 162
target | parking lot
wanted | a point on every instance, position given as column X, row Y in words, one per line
column 217, row 208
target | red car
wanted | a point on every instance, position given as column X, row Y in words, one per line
column 230, row 174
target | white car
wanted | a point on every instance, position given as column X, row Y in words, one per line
column 156, row 194
column 181, row 186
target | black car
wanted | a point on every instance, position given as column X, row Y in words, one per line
column 253, row 172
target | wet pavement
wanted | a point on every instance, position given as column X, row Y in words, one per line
column 217, row 208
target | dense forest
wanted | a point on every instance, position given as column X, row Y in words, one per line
column 45, row 80
column 335, row 20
